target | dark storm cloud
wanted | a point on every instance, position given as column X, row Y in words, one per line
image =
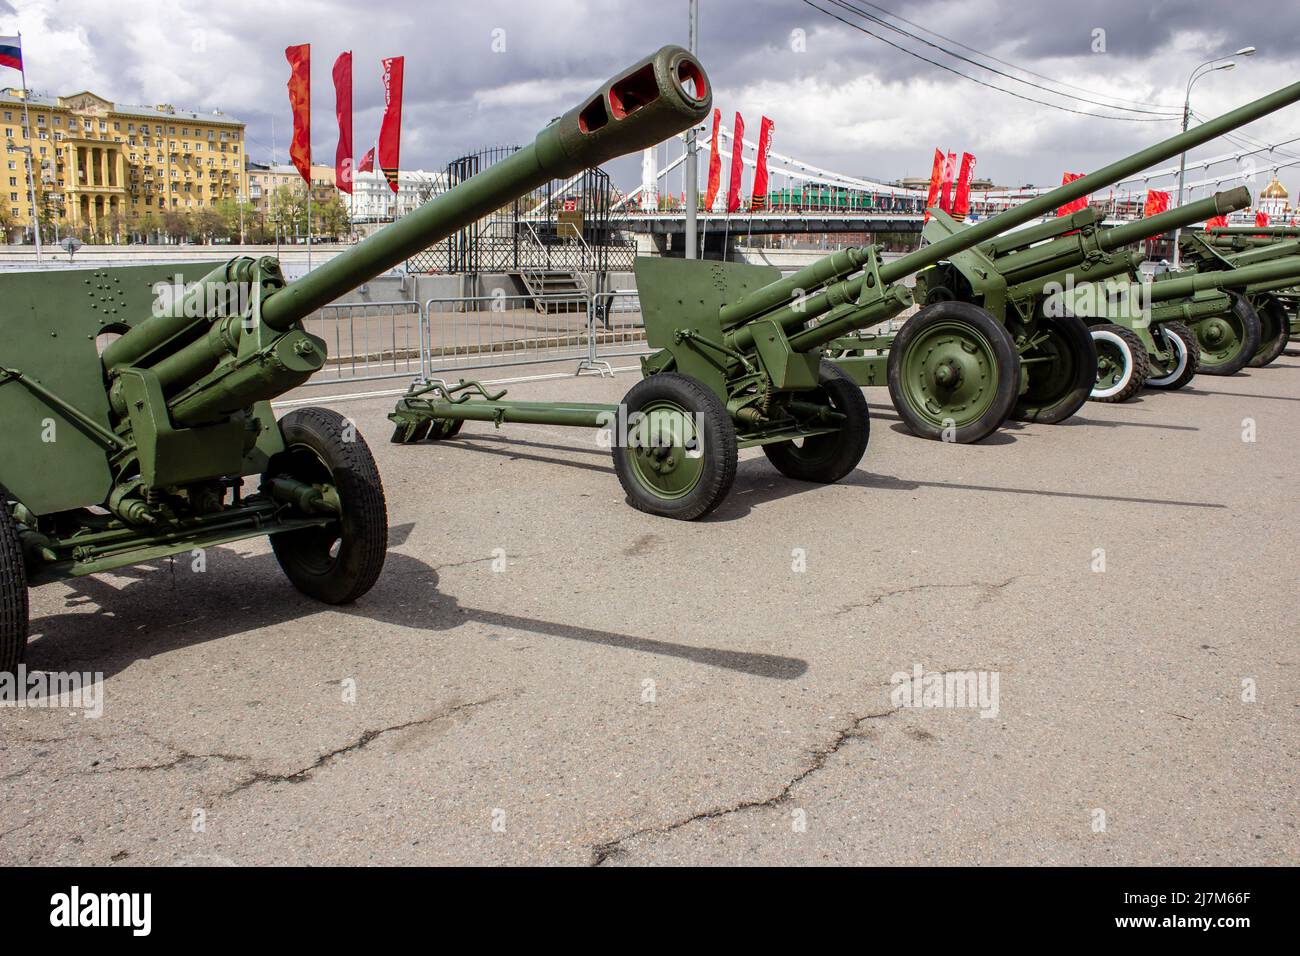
column 461, row 93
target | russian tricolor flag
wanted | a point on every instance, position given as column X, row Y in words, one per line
column 11, row 52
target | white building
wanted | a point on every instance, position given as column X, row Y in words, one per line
column 373, row 200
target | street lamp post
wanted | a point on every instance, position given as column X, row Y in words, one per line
column 1218, row 63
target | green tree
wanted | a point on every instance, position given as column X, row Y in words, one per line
column 330, row 218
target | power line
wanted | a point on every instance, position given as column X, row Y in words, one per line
column 973, row 79
column 1246, row 141
column 1022, row 69
column 845, row 5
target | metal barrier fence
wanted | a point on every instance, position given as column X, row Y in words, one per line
column 368, row 341
column 371, row 341
column 464, row 332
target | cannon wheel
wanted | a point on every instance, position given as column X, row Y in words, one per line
column 679, row 458
column 13, row 593
column 1122, row 363
column 1186, row 357
column 1230, row 340
column 1062, row 371
column 341, row 561
column 827, row 458
column 953, row 372
column 1274, row 329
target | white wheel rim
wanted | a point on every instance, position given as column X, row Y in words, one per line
column 1180, row 349
column 1104, row 335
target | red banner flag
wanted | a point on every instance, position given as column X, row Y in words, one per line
column 715, row 164
column 390, row 130
column 1075, row 205
column 343, row 110
column 1261, row 219
column 1157, row 202
column 737, row 164
column 1217, row 222
column 367, row 164
column 299, row 58
column 936, row 177
column 758, row 196
column 945, row 187
column 961, row 199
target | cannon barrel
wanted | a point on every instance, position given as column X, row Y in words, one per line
column 1220, row 204
column 1254, row 231
column 645, row 104
column 1254, row 254
column 1179, row 286
column 642, row 106
column 1068, row 252
column 836, row 295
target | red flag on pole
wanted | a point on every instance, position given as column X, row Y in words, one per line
column 367, row 164
column 961, row 200
column 1157, row 202
column 343, row 110
column 737, row 164
column 1261, row 219
column 390, row 130
column 299, row 58
column 758, row 195
column 945, row 187
column 715, row 164
column 1075, row 205
column 936, row 176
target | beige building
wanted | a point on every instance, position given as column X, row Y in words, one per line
column 264, row 180
column 104, row 166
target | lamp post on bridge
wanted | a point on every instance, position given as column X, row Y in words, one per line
column 1218, row 63
column 692, row 149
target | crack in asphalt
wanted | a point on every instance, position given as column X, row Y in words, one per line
column 367, row 737
column 182, row 757
column 984, row 585
column 26, row 823
column 602, row 852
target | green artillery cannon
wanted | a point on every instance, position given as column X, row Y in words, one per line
column 1012, row 276
column 141, row 450
column 1236, row 239
column 739, row 360
column 1272, row 307
column 1123, row 313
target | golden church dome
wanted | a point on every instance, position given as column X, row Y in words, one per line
column 1274, row 190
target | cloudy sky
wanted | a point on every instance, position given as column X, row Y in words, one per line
column 840, row 98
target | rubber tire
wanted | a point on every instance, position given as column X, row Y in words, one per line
column 826, row 459
column 1193, row 349
column 1274, row 330
column 13, row 594
column 720, row 454
column 1077, row 337
column 364, row 518
column 1250, row 345
column 1136, row 358
column 1004, row 350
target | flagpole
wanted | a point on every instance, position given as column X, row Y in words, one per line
column 27, row 126
column 309, row 222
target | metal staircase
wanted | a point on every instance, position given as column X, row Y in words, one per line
column 552, row 273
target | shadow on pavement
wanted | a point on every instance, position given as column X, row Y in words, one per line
column 150, row 615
